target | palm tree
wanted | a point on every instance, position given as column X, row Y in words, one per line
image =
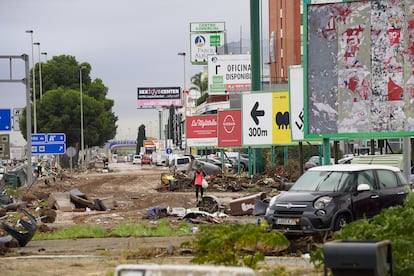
column 200, row 83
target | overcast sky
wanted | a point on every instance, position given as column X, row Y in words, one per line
column 129, row 44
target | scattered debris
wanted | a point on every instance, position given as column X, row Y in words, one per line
column 245, row 205
column 30, row 226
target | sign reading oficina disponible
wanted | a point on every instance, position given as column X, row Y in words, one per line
column 229, row 73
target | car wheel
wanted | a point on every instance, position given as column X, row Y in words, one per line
column 340, row 222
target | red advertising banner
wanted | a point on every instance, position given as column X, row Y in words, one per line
column 229, row 128
column 201, row 130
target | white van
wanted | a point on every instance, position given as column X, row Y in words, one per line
column 180, row 163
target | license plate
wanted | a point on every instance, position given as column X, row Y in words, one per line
column 286, row 221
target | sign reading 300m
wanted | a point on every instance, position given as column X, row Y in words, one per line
column 266, row 119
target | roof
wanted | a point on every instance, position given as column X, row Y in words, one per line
column 353, row 167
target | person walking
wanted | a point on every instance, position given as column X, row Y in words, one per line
column 199, row 175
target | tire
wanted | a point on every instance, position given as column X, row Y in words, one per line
column 340, row 222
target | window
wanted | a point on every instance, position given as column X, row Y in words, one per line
column 387, row 179
column 366, row 177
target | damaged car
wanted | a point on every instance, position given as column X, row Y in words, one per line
column 325, row 198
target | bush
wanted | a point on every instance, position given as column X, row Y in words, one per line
column 235, row 244
column 395, row 224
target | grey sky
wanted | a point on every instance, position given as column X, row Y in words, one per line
column 129, row 43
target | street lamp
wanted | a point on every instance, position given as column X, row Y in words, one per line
column 34, row 84
column 184, row 87
column 45, row 54
column 40, row 71
column 81, row 113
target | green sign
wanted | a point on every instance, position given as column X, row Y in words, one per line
column 215, row 40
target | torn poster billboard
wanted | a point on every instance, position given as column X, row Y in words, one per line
column 359, row 76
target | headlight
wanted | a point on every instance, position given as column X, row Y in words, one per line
column 322, row 202
column 273, row 200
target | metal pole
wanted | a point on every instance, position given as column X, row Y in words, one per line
column 81, row 112
column 28, row 121
column 33, row 84
column 40, row 72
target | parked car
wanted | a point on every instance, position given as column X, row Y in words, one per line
column 209, row 169
column 227, row 165
column 136, row 159
column 325, row 198
column 146, row 159
column 180, row 163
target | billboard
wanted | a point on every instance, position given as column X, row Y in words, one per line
column 229, row 73
column 265, row 119
column 229, row 128
column 201, row 130
column 358, row 78
column 205, row 37
column 149, row 97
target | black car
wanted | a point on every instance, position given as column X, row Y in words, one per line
column 325, row 198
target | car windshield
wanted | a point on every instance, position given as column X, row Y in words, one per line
column 324, row 181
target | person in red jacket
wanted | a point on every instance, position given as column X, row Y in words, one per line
column 199, row 174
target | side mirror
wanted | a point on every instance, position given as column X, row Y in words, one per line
column 363, row 188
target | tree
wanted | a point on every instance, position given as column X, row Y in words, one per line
column 170, row 133
column 200, row 83
column 140, row 139
column 59, row 109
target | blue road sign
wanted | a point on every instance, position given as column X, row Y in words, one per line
column 168, row 151
column 52, row 148
column 5, row 120
column 38, row 138
column 56, row 137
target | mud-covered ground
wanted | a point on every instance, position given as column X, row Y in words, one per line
column 133, row 190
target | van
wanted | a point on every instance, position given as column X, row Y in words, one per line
column 136, row 159
column 159, row 158
column 180, row 163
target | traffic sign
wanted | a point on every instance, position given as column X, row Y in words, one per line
column 168, row 151
column 55, row 148
column 257, row 119
column 50, row 143
column 5, row 120
column 56, row 137
column 38, row 138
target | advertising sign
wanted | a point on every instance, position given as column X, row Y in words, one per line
column 266, row 119
column 201, row 130
column 296, row 102
column 229, row 128
column 366, row 88
column 257, row 118
column 229, row 73
column 203, row 45
column 201, row 27
column 150, row 97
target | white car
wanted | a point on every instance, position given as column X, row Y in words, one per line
column 136, row 159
